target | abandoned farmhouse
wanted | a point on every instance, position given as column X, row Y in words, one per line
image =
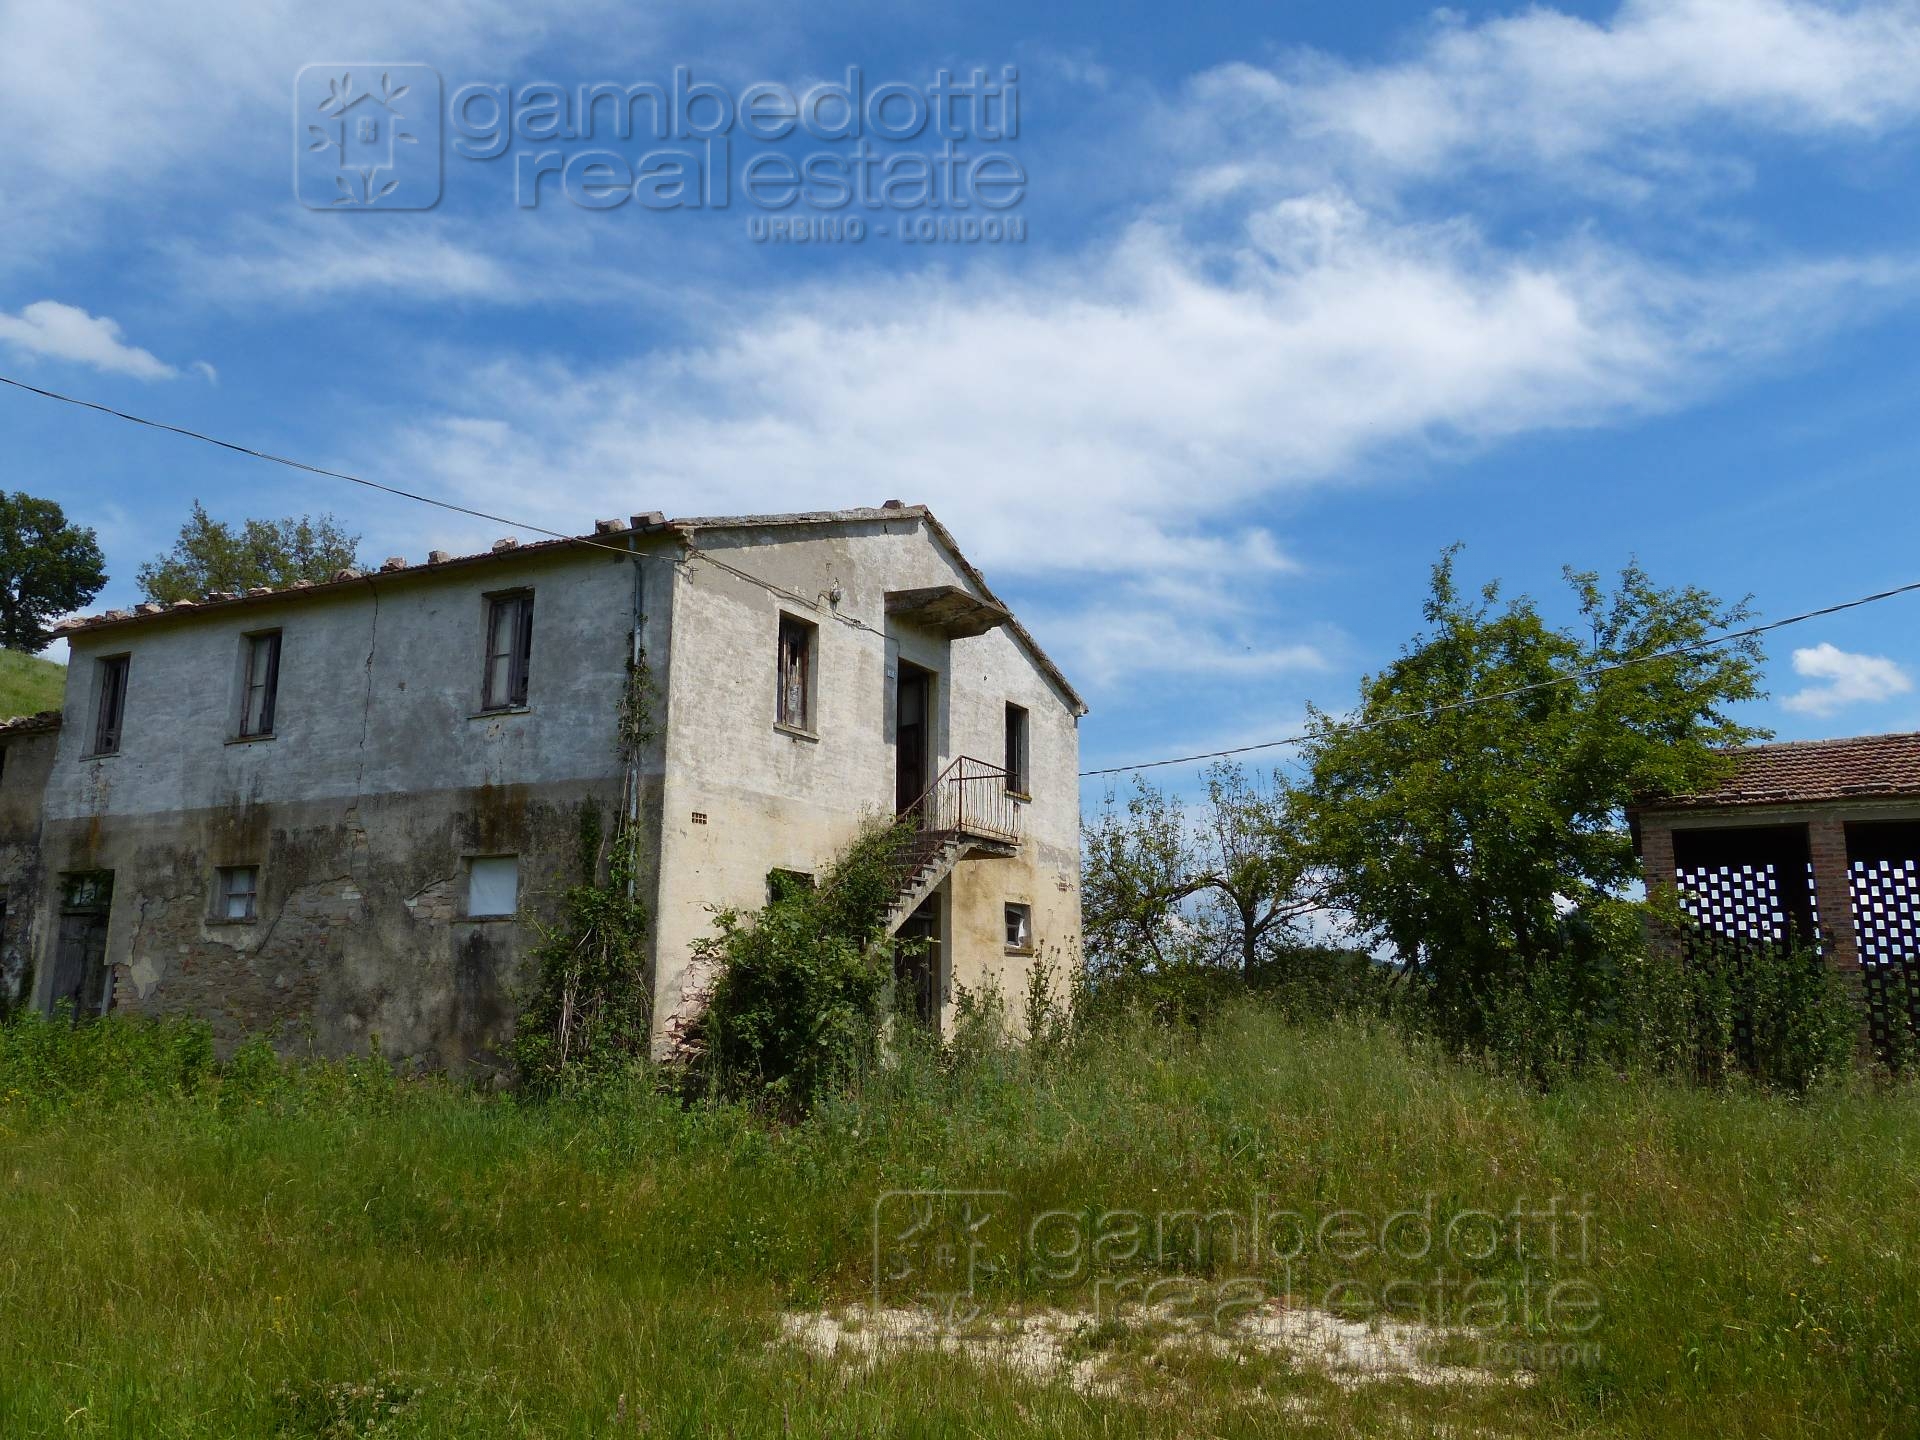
column 335, row 814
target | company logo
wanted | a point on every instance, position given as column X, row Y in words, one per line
column 919, row 163
column 367, row 137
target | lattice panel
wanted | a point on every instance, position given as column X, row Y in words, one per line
column 1886, row 919
column 1738, row 902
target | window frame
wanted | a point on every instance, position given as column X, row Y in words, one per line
column 269, row 684
column 224, row 894
column 1024, row 910
column 469, row 913
column 519, row 656
column 1017, row 756
column 112, row 674
column 808, row 633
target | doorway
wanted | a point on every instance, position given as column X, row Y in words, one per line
column 913, row 735
column 80, row 956
column 916, row 963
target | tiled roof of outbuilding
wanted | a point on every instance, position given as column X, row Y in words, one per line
column 30, row 724
column 1811, row 771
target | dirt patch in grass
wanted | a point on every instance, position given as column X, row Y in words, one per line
column 1101, row 1356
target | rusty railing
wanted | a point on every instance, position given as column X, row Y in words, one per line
column 970, row 797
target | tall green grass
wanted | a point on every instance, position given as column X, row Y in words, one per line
column 192, row 1249
column 29, row 684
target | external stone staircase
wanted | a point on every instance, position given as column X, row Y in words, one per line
column 930, row 859
column 965, row 812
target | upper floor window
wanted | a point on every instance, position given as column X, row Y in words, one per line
column 109, row 703
column 1018, row 781
column 795, row 699
column 509, row 648
column 262, row 685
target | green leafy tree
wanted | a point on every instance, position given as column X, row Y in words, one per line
column 48, row 566
column 1467, row 837
column 1223, row 885
column 211, row 555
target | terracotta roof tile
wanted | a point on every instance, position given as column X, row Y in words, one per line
column 1799, row 771
column 36, row 724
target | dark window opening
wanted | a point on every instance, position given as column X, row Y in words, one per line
column 509, row 650
column 783, row 883
column 916, row 964
column 262, row 684
column 81, row 978
column 1016, row 761
column 110, row 704
column 794, row 704
column 912, row 735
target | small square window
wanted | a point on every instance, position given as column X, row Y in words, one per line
column 493, row 886
column 1019, row 927
column 237, row 892
column 794, row 700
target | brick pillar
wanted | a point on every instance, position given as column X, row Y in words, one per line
column 1656, row 867
column 1833, row 892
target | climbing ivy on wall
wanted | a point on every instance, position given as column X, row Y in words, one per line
column 590, row 1010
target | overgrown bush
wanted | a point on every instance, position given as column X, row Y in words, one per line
column 803, row 984
column 1691, row 1008
column 1301, row 982
column 591, row 1006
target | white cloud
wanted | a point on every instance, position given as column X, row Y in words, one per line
column 312, row 259
column 113, row 100
column 1109, row 414
column 1103, row 644
column 1543, row 89
column 1124, row 414
column 1849, row 680
column 321, row 258
column 54, row 331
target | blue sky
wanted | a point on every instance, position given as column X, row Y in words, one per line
column 1307, row 294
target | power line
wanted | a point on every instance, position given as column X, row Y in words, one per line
column 414, row 496
column 1572, row 677
column 1350, row 727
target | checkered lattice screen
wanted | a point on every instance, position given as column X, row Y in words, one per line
column 1886, row 918
column 1739, row 902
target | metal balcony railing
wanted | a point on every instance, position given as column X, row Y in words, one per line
column 969, row 797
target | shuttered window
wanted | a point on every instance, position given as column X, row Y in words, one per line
column 110, row 705
column 795, row 699
column 263, row 684
column 509, row 650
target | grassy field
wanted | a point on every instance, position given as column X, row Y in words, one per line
column 29, row 684
column 333, row 1251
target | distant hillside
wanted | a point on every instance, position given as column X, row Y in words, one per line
column 29, row 684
